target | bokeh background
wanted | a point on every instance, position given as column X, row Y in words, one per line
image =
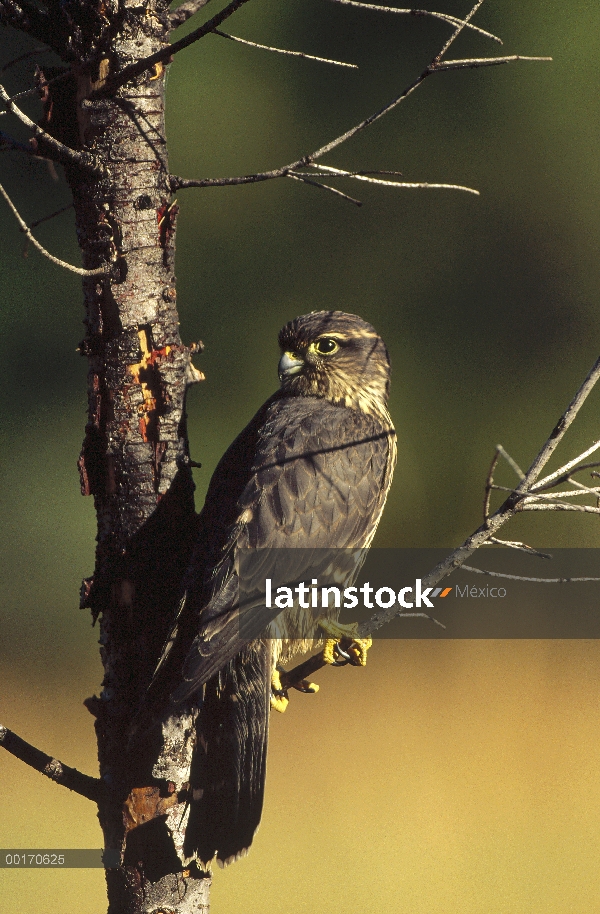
column 446, row 776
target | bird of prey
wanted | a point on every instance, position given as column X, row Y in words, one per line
column 311, row 471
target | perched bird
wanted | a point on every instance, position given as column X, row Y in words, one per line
column 311, row 471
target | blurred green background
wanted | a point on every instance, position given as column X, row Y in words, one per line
column 445, row 776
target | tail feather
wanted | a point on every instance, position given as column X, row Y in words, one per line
column 227, row 775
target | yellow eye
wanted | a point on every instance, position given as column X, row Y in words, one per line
column 326, row 346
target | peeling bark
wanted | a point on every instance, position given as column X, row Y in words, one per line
column 134, row 460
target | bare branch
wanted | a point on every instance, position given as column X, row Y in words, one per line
column 489, row 484
column 298, row 176
column 361, row 176
column 166, row 53
column 26, row 56
column 561, row 476
column 476, row 62
column 61, row 263
column 453, row 20
column 185, row 11
column 556, row 506
column 569, row 493
column 463, row 24
column 178, row 183
column 514, row 544
column 519, row 577
column 57, row 151
column 83, row 784
column 265, row 47
column 510, row 461
column 58, row 212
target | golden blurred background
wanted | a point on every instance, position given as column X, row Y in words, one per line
column 449, row 775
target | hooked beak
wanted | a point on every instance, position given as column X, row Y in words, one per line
column 290, row 364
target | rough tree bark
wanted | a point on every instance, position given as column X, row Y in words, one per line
column 134, row 460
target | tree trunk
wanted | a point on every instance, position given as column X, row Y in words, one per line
column 135, row 459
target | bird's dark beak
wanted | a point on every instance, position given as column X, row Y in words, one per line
column 290, row 364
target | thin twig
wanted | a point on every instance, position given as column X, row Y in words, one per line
column 166, row 53
column 592, row 490
column 514, row 544
column 519, row 577
column 543, row 483
column 361, row 176
column 510, row 461
column 298, row 176
column 61, row 263
column 83, row 784
column 58, row 152
column 537, row 493
column 489, row 485
column 266, row 47
column 15, row 60
column 453, row 20
column 185, row 11
column 477, row 62
column 575, row 469
column 58, row 212
column 557, row 506
column 178, row 183
column 463, row 24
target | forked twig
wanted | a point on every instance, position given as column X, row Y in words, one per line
column 435, row 66
column 298, row 176
column 56, row 151
column 444, row 17
column 61, row 263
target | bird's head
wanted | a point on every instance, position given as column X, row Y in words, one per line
column 336, row 356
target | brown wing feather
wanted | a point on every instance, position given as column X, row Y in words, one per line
column 305, row 474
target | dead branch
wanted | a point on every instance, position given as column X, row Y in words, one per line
column 61, row 263
column 265, row 47
column 444, row 17
column 436, row 65
column 298, row 176
column 53, row 149
column 86, row 786
column 520, row 577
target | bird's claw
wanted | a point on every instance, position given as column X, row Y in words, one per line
column 279, row 695
column 343, row 644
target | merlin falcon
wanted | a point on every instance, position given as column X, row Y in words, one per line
column 311, row 471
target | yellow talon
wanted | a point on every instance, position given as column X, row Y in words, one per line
column 350, row 644
column 279, row 696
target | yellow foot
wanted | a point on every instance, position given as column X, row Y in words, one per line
column 279, row 696
column 343, row 645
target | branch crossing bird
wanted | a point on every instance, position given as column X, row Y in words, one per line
column 310, row 472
